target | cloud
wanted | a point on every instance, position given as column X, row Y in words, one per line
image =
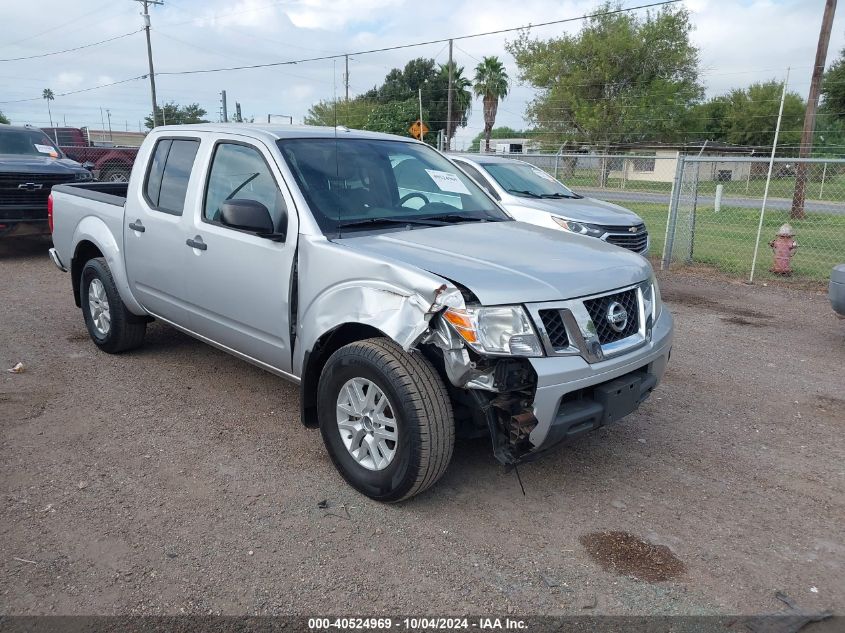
column 69, row 80
column 740, row 42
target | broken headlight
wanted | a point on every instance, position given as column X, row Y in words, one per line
column 501, row 330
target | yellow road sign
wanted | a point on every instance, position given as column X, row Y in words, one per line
column 417, row 129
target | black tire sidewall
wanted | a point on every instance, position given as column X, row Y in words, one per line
column 393, row 482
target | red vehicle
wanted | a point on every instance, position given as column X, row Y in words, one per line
column 111, row 164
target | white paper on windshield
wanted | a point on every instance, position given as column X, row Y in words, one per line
column 45, row 149
column 543, row 174
column 447, row 182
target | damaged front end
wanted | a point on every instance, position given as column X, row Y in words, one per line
column 492, row 394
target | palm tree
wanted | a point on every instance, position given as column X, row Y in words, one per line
column 48, row 96
column 491, row 84
column 461, row 99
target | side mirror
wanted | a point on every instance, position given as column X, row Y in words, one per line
column 88, row 165
column 247, row 215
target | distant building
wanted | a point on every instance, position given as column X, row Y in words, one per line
column 650, row 163
column 115, row 138
column 510, row 145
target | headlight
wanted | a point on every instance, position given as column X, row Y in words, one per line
column 496, row 330
column 657, row 305
column 578, row 227
column 83, row 175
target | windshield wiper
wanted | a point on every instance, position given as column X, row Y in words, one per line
column 524, row 192
column 558, row 195
column 404, row 222
column 457, row 217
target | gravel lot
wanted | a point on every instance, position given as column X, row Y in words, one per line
column 178, row 479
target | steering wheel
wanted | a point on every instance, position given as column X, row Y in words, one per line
column 413, row 194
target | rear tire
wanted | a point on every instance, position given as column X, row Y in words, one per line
column 111, row 326
column 416, row 410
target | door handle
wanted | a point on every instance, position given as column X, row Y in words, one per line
column 196, row 243
column 137, row 226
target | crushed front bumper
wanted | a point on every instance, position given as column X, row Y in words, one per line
column 574, row 396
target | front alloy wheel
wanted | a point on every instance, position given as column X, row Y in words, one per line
column 386, row 419
column 366, row 423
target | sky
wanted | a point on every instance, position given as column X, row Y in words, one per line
column 740, row 41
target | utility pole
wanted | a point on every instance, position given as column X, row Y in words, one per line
column 346, row 77
column 806, row 147
column 422, row 133
column 223, row 106
column 449, row 103
column 146, row 15
column 108, row 114
column 238, row 116
column 102, row 126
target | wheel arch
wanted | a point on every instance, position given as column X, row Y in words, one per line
column 316, row 357
column 93, row 235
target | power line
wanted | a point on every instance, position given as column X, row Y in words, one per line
column 415, row 44
column 70, row 50
column 73, row 92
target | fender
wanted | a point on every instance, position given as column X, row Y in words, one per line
column 341, row 286
column 96, row 231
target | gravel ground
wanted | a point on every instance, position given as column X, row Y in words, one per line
column 177, row 479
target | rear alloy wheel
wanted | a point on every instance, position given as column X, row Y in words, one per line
column 111, row 326
column 386, row 419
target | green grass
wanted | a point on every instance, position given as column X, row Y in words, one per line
column 726, row 240
column 832, row 191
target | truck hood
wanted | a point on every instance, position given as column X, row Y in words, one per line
column 580, row 209
column 38, row 164
column 510, row 262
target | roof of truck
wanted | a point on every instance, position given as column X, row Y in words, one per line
column 282, row 131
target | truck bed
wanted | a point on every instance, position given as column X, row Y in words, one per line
column 83, row 207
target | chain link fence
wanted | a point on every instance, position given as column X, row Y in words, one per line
column 716, row 216
column 107, row 164
column 706, row 210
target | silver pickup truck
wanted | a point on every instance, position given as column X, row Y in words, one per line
column 372, row 271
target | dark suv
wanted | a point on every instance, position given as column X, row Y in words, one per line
column 30, row 164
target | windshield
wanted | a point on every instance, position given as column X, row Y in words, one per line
column 27, row 143
column 522, row 179
column 363, row 183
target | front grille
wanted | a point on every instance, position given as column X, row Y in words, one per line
column 555, row 329
column 622, row 236
column 11, row 195
column 598, row 309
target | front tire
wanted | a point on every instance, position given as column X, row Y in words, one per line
column 386, row 419
column 111, row 326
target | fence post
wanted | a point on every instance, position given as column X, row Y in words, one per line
column 688, row 258
column 672, row 220
column 821, row 188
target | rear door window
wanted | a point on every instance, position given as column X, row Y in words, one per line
column 170, row 171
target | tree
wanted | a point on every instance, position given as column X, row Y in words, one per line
column 748, row 116
column 461, row 99
column 833, row 89
column 394, row 117
column 174, row 114
column 47, row 95
column 622, row 78
column 491, row 84
column 353, row 113
column 4, row 119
